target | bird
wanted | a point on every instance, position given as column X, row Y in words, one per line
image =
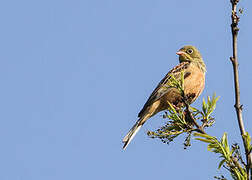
column 194, row 69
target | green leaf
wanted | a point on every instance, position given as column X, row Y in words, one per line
column 221, row 163
column 202, row 135
column 194, row 109
column 204, row 106
column 225, row 143
column 204, row 140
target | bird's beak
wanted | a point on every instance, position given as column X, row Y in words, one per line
column 180, row 53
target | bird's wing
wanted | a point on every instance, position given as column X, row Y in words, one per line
column 162, row 87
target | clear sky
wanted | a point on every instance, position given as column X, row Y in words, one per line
column 74, row 74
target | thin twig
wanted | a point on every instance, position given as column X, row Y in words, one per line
column 238, row 106
column 192, row 119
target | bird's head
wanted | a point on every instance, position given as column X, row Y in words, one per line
column 191, row 54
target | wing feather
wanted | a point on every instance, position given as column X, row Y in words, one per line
column 159, row 91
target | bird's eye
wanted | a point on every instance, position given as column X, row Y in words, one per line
column 189, row 51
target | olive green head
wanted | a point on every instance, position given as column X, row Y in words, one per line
column 191, row 54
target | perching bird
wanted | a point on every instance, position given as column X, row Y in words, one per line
column 192, row 64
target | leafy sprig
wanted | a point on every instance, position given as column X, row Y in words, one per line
column 230, row 157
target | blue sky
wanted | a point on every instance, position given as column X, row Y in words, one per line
column 74, row 74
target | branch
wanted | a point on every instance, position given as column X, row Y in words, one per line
column 238, row 106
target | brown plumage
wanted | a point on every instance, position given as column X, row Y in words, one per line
column 194, row 69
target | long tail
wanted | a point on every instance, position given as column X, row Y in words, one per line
column 131, row 134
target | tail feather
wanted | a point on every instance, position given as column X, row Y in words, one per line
column 131, row 134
